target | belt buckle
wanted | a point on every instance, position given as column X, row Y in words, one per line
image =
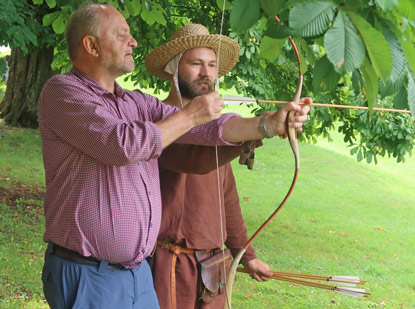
column 166, row 245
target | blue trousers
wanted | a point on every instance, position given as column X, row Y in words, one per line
column 71, row 285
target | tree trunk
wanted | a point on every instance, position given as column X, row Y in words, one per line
column 27, row 75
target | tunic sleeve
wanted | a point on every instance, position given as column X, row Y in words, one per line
column 235, row 226
column 196, row 159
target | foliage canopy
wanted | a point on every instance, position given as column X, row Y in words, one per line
column 354, row 52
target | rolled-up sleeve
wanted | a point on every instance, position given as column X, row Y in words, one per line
column 209, row 134
column 90, row 123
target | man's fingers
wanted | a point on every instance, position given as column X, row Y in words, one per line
column 306, row 100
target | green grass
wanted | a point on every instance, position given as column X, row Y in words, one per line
column 21, row 252
column 21, row 156
column 21, row 221
column 343, row 218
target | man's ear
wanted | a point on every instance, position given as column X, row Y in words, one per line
column 90, row 44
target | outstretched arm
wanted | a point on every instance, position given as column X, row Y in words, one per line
column 243, row 129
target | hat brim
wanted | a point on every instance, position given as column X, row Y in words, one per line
column 157, row 60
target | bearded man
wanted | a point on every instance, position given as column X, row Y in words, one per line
column 199, row 212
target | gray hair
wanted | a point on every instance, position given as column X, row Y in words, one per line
column 84, row 21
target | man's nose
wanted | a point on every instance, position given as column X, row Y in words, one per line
column 133, row 42
column 206, row 70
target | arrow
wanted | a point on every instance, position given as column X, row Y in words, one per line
column 229, row 99
column 339, row 280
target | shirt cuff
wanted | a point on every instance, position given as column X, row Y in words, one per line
column 221, row 122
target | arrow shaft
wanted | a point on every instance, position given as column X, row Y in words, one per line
column 381, row 109
column 278, row 276
column 337, row 279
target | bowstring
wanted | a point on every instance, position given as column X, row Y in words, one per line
column 217, row 157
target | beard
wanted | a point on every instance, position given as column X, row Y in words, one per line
column 191, row 90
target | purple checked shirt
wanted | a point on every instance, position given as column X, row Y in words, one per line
column 100, row 155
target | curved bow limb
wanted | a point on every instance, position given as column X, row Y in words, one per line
column 292, row 136
column 232, row 271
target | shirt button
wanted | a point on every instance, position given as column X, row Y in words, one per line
column 149, row 193
column 151, row 224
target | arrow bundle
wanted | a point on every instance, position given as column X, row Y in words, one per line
column 348, row 282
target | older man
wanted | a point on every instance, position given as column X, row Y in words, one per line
column 100, row 149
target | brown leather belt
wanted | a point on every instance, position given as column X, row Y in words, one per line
column 176, row 250
column 75, row 257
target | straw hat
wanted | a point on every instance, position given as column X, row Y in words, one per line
column 188, row 37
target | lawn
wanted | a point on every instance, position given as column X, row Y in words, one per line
column 343, row 218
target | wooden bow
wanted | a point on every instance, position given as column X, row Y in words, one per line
column 292, row 137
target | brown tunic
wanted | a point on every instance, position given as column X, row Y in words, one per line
column 191, row 217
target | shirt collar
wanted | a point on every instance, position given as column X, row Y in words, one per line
column 97, row 88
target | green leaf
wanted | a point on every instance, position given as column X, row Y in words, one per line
column 368, row 157
column 407, row 9
column 270, row 48
column 359, row 155
column 309, row 54
column 114, row 3
column 51, row 3
column 58, row 25
column 357, row 82
column 276, row 30
column 400, row 101
column 134, row 7
column 393, row 87
column 371, row 84
column 30, row 36
column 37, row 1
column 344, row 46
column 312, row 19
column 219, row 3
column 152, row 14
column 409, row 50
column 244, row 14
column 411, row 93
column 379, row 51
column 398, row 56
column 325, row 76
column 302, row 46
column 386, row 5
column 273, row 7
column 49, row 18
column 124, row 11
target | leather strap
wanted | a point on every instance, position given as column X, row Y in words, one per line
column 174, row 248
column 173, row 280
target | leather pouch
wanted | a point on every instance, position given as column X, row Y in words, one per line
column 213, row 272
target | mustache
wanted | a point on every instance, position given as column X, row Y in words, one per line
column 204, row 80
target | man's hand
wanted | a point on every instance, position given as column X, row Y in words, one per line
column 258, row 270
column 205, row 108
column 276, row 123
